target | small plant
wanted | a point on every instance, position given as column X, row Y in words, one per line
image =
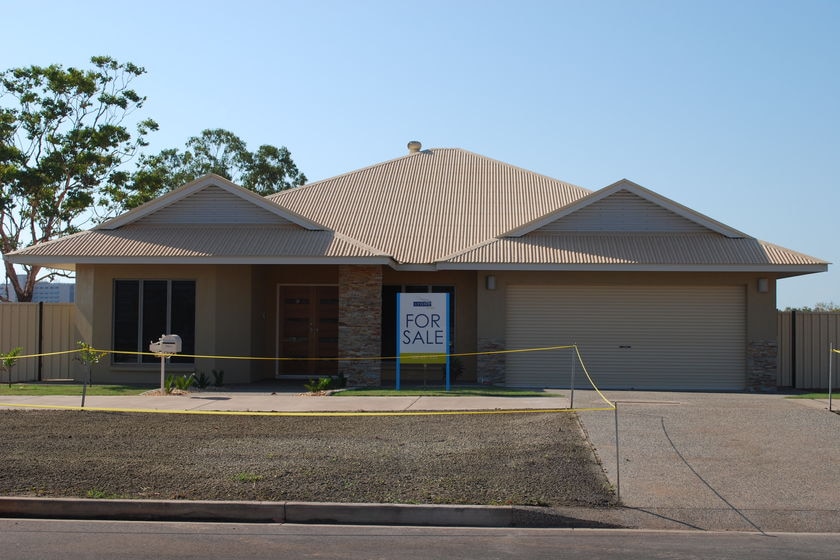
column 201, row 380
column 96, row 494
column 218, row 377
column 319, row 384
column 89, row 356
column 184, row 382
column 8, row 360
column 180, row 382
column 247, row 477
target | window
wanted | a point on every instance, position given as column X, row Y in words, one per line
column 389, row 313
column 146, row 309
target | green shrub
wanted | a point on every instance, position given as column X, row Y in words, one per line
column 201, row 380
column 180, row 382
column 218, row 377
column 319, row 384
column 184, row 382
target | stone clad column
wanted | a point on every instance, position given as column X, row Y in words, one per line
column 762, row 365
column 360, row 323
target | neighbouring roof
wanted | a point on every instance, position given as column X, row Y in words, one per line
column 432, row 209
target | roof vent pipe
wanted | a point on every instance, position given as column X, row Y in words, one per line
column 414, row 147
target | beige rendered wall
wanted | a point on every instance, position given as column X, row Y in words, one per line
column 223, row 317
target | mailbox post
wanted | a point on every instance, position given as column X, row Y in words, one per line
column 166, row 346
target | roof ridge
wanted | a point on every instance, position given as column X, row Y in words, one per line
column 523, row 169
column 785, row 249
column 277, row 195
column 274, row 197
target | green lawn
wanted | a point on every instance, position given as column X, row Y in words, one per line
column 440, row 391
column 814, row 396
column 46, row 389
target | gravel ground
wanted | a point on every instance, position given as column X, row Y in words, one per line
column 516, row 459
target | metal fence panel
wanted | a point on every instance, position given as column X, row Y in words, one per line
column 54, row 331
column 805, row 340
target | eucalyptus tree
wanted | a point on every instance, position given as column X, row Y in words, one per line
column 265, row 171
column 65, row 134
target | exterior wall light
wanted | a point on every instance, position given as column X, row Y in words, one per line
column 490, row 282
column 763, row 285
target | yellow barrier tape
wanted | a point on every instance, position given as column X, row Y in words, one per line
column 600, row 394
column 309, row 413
column 835, row 350
column 285, row 358
column 46, row 354
column 351, row 358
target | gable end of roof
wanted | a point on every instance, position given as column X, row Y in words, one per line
column 165, row 206
column 661, row 214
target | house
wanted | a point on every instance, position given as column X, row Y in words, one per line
column 654, row 294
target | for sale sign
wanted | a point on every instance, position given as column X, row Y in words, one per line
column 422, row 328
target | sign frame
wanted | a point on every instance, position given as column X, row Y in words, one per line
column 423, row 328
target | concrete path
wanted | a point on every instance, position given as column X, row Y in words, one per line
column 708, row 461
column 286, row 402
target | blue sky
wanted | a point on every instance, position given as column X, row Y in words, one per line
column 730, row 108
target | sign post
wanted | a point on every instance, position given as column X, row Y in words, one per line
column 423, row 330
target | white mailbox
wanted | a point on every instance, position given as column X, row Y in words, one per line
column 168, row 344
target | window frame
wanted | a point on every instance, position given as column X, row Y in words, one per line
column 140, row 345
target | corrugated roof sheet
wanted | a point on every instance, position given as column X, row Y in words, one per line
column 446, row 206
column 422, row 206
column 639, row 248
column 203, row 241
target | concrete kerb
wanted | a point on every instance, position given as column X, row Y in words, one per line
column 260, row 512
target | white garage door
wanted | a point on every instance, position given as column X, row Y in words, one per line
column 663, row 337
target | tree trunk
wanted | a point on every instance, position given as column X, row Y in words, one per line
column 23, row 291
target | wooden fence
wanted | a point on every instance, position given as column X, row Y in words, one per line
column 40, row 328
column 805, row 340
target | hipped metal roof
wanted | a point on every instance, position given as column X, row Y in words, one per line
column 432, row 209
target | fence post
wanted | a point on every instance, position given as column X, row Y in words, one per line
column 830, row 371
column 574, row 358
column 40, row 340
column 617, row 456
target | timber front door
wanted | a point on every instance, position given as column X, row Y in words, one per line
column 307, row 318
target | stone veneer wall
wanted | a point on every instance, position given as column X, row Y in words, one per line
column 762, row 365
column 360, row 323
column 491, row 367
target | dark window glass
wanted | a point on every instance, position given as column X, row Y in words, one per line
column 146, row 309
column 126, row 319
column 155, row 294
column 182, row 320
column 389, row 320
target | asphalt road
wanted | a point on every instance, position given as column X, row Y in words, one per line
column 77, row 540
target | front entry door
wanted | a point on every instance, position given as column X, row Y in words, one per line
column 307, row 328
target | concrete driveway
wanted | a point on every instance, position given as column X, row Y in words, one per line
column 717, row 461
